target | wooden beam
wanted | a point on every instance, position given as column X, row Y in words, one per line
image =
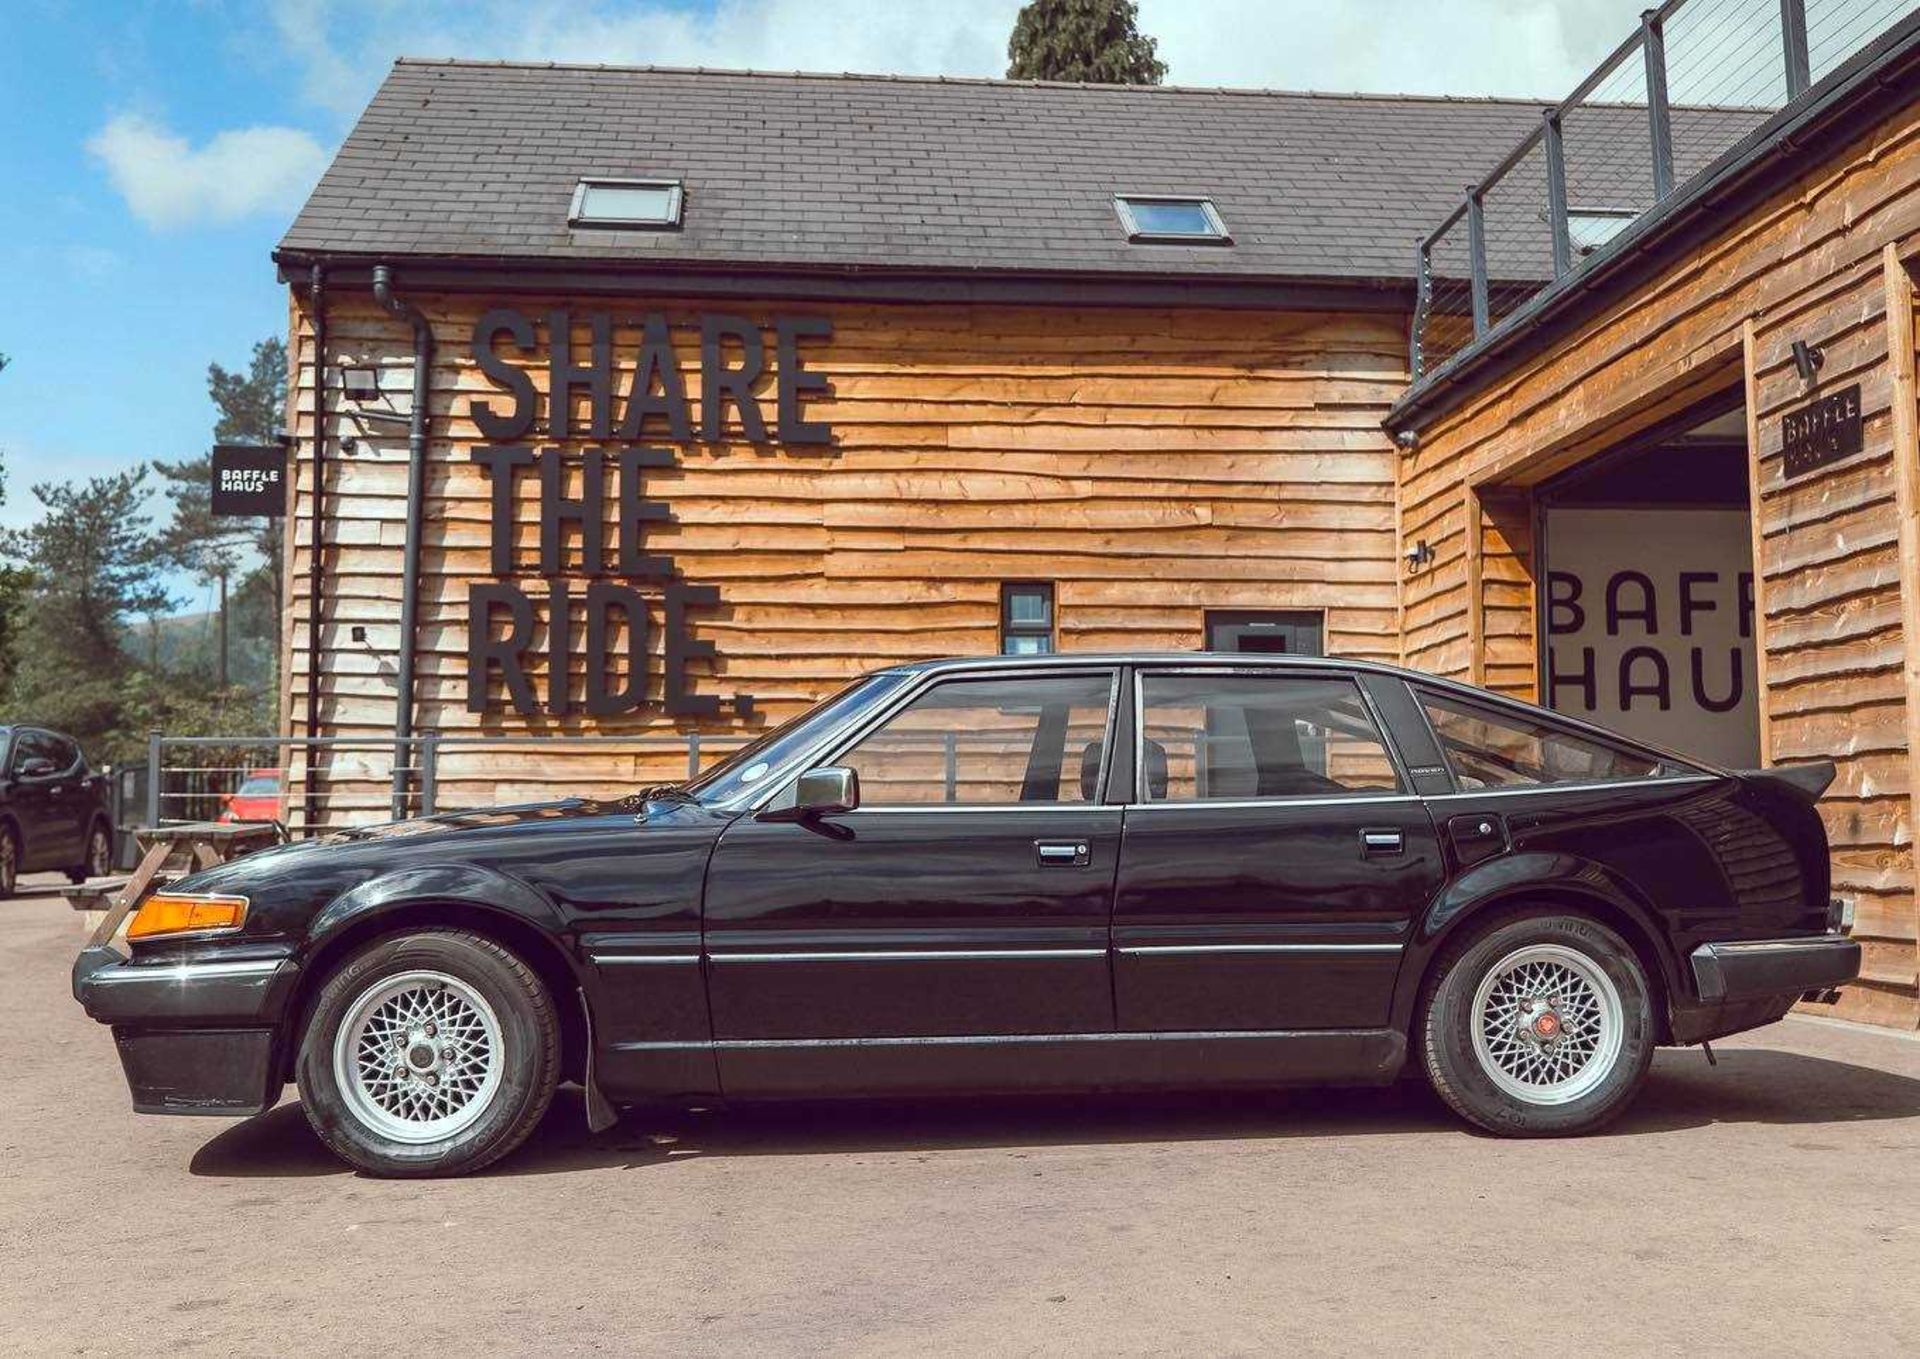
column 1757, row 519
column 1906, row 487
column 1476, row 595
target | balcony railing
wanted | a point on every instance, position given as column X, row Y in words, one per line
column 1692, row 82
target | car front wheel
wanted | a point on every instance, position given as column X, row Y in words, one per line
column 432, row 1053
column 1540, row 1026
column 99, row 856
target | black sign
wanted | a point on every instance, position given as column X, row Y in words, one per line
column 249, row 479
column 617, row 581
column 1823, row 432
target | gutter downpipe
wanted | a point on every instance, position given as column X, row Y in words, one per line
column 316, row 293
column 416, row 493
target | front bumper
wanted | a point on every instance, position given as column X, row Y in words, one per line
column 1756, row 969
column 195, row 1036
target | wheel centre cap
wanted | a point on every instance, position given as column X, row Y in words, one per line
column 421, row 1056
column 1546, row 1025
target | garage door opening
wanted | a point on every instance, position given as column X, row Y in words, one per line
column 1646, row 605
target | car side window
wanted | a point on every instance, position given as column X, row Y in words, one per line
column 1209, row 737
column 65, row 756
column 32, row 745
column 1506, row 750
column 1006, row 740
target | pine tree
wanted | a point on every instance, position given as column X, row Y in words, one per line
column 1094, row 42
column 92, row 567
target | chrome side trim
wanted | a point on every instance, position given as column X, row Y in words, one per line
column 1204, row 804
column 909, row 955
column 187, row 972
column 620, row 959
column 1140, row 949
column 923, row 808
column 990, row 1039
column 1536, row 789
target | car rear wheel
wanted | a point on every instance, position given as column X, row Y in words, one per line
column 433, row 1053
column 99, row 855
column 1541, row 1026
column 9, row 861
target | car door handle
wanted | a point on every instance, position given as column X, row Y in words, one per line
column 1382, row 841
column 1062, row 853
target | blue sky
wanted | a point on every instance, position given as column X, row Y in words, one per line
column 156, row 149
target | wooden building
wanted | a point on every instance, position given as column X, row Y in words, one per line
column 731, row 386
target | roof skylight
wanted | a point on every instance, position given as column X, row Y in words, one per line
column 626, row 203
column 1171, row 219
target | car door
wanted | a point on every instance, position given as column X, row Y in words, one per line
column 70, row 803
column 33, row 800
column 968, row 896
column 1274, row 858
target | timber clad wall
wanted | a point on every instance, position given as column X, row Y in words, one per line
column 1153, row 464
column 1816, row 262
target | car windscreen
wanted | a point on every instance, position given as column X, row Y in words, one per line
column 771, row 756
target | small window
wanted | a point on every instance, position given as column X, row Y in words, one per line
column 1026, row 618
column 1207, row 737
column 987, row 742
column 1507, row 750
column 626, row 203
column 1155, row 218
column 1590, row 228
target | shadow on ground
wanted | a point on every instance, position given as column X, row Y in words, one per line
column 1754, row 1085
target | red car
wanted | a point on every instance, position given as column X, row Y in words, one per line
column 256, row 799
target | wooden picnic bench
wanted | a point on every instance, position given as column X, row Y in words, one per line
column 168, row 852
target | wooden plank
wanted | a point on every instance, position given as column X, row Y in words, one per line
column 1476, row 598
column 1901, row 340
column 1762, row 691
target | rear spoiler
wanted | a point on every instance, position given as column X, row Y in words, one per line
column 1810, row 780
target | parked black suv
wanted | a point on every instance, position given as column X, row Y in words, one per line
column 54, row 810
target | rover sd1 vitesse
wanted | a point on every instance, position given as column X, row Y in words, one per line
column 1001, row 875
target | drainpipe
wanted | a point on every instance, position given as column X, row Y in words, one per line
column 316, row 293
column 416, row 491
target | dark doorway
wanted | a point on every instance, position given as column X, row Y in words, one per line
column 1289, row 632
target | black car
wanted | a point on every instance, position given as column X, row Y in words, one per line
column 1013, row 874
column 55, row 813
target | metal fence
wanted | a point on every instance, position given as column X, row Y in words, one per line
column 316, row 785
column 1691, row 83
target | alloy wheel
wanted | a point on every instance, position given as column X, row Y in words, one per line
column 419, row 1057
column 1548, row 1024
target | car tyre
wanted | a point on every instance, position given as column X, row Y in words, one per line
column 431, row 1053
column 9, row 860
column 98, row 862
column 1541, row 1026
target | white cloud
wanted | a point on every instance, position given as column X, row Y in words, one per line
column 168, row 182
column 342, row 48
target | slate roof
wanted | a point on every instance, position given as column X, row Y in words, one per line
column 478, row 160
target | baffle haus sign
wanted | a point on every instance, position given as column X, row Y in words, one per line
column 630, row 423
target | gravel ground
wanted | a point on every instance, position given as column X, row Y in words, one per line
column 1766, row 1206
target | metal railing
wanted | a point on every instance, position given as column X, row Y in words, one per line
column 1694, row 80
column 311, row 786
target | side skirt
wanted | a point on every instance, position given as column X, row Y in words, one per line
column 1012, row 1063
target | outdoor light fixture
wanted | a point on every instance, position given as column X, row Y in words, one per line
column 1419, row 555
column 1808, row 358
column 360, row 381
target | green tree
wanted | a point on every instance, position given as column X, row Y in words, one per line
column 241, row 556
column 1096, row 42
column 93, row 566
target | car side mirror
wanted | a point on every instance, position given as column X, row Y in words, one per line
column 39, row 767
column 820, row 792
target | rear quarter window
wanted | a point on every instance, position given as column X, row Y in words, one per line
column 1488, row 748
